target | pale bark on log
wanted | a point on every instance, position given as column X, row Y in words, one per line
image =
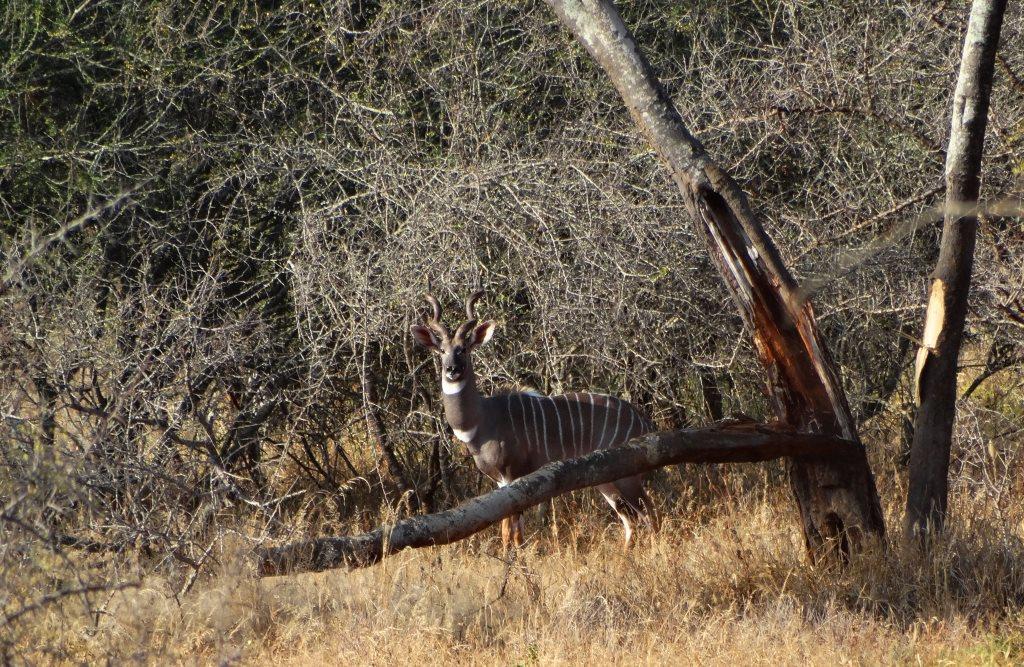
column 837, row 499
column 721, row 444
column 936, row 366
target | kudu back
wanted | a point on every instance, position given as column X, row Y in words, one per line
column 512, row 434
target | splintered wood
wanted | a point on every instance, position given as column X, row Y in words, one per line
column 933, row 324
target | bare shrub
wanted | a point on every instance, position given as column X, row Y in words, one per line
column 270, row 189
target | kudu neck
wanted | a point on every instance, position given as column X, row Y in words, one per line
column 462, row 402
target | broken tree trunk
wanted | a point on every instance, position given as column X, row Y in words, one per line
column 745, row 442
column 936, row 366
column 837, row 499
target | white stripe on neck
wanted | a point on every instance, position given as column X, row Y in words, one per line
column 465, row 436
column 452, row 388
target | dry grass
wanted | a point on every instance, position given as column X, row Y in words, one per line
column 730, row 587
column 725, row 581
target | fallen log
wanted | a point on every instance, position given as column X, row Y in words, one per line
column 731, row 443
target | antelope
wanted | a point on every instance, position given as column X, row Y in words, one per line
column 511, row 434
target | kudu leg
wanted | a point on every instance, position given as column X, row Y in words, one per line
column 614, row 497
column 518, row 530
column 506, row 532
column 650, row 511
column 512, row 530
column 630, row 502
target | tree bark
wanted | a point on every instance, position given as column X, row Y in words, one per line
column 936, row 365
column 733, row 443
column 836, row 499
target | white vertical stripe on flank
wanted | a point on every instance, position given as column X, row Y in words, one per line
column 578, row 445
column 558, row 416
column 568, row 407
column 536, row 431
column 522, row 408
column 572, row 426
column 618, row 422
column 630, row 431
column 590, row 439
column 544, row 421
column 600, row 443
column 511, row 419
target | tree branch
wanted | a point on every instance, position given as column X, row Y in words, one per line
column 731, row 443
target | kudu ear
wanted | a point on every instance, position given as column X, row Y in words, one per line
column 425, row 337
column 482, row 333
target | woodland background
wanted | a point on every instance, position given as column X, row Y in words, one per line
column 219, row 219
